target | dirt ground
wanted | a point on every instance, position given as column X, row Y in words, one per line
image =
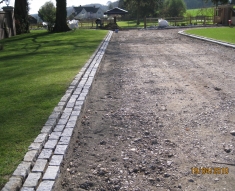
column 159, row 116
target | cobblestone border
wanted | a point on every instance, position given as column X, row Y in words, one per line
column 41, row 164
column 207, row 39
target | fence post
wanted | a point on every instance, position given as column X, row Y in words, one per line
column 145, row 22
column 204, row 20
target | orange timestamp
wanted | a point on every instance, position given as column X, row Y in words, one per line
column 210, row 170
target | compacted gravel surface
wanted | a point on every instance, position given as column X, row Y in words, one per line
column 160, row 116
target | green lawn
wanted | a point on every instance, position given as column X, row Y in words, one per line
column 35, row 71
column 226, row 34
column 130, row 24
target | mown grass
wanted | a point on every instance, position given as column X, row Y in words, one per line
column 35, row 71
column 198, row 12
column 130, row 24
column 226, row 34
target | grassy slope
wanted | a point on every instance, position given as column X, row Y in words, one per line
column 35, row 71
column 225, row 34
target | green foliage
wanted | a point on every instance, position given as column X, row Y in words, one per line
column 48, row 14
column 217, row 2
column 194, row 4
column 35, row 71
column 174, row 8
column 198, row 12
column 225, row 34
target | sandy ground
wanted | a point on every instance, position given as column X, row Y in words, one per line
column 158, row 117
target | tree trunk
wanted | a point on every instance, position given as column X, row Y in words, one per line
column 138, row 12
column 61, row 15
column 21, row 16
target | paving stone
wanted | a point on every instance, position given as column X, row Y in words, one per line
column 68, row 110
column 32, row 180
column 46, row 186
column 59, row 128
column 51, row 122
column 45, row 154
column 70, row 124
column 31, row 155
column 73, row 118
column 40, row 165
column 74, row 83
column 62, row 104
column 51, row 173
column 69, row 92
column 64, row 141
column 60, row 149
column 67, row 132
column 62, row 121
column 41, row 138
column 47, row 129
column 59, row 108
column 35, row 146
column 56, row 160
column 14, row 183
column 27, row 189
column 50, row 144
column 65, row 116
column 70, row 104
column 55, row 115
column 23, row 169
column 65, row 98
column 75, row 113
column 77, row 91
column 79, row 103
column 55, row 135
column 85, row 91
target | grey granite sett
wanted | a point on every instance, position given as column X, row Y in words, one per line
column 59, row 108
column 35, row 146
column 51, row 144
column 79, row 75
column 70, row 104
column 47, row 129
column 89, row 82
column 65, row 98
column 77, row 91
column 74, row 82
column 14, row 183
column 41, row 138
column 51, row 122
column 65, row 116
column 46, row 186
column 77, row 108
column 64, row 141
column 63, row 121
column 59, row 128
column 85, row 90
column 87, row 87
column 45, row 154
column 75, row 113
column 80, row 86
column 31, row 155
column 40, row 165
column 27, row 189
column 70, row 124
column 68, row 110
column 32, row 180
column 68, row 132
column 55, row 115
column 60, row 149
column 55, row 135
column 62, row 103
column 79, row 103
column 22, row 169
column 51, row 173
column 73, row 118
column 69, row 92
column 56, row 160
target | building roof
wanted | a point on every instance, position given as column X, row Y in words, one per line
column 88, row 9
column 116, row 11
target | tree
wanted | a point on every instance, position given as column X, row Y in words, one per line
column 174, row 8
column 61, row 15
column 142, row 7
column 47, row 13
column 21, row 16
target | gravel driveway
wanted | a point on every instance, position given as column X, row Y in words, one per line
column 160, row 116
